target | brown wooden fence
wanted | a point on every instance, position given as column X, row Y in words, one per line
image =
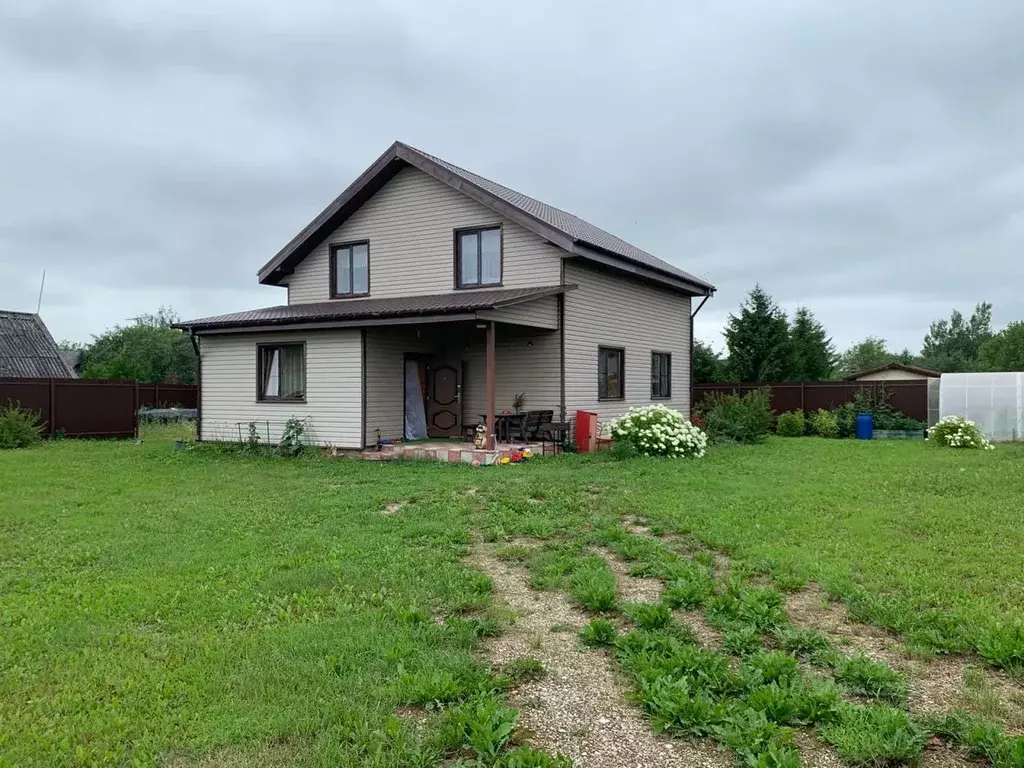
column 92, row 407
column 909, row 397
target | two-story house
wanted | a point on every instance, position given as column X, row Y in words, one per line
column 426, row 297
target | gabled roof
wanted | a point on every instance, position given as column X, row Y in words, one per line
column 27, row 350
column 570, row 232
column 894, row 367
column 364, row 310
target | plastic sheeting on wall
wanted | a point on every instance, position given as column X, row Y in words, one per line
column 993, row 401
column 415, row 417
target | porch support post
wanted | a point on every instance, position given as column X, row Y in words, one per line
column 490, row 386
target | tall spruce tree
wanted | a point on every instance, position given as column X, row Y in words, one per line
column 758, row 340
column 814, row 354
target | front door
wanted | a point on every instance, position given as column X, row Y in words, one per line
column 444, row 398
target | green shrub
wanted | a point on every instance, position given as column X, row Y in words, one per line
column 760, row 607
column 680, row 705
column 791, row 424
column 524, row 670
column 1003, row 646
column 742, row 640
column 690, row 586
column 657, row 430
column 846, row 419
column 599, row 632
column 958, row 432
column 804, row 643
column 872, row 678
column 874, row 735
column 731, row 418
column 649, row 615
column 824, row 424
column 19, row 427
column 980, row 737
column 593, row 587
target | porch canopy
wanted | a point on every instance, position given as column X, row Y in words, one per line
column 484, row 307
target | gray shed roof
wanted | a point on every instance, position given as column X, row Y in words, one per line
column 560, row 227
column 375, row 309
column 27, row 350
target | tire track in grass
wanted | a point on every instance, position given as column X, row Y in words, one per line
column 936, row 686
column 580, row 707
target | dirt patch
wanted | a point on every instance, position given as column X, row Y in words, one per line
column 579, row 708
column 936, row 686
column 707, row 635
column 632, row 589
column 260, row 756
column 814, row 752
column 636, row 526
column 394, row 507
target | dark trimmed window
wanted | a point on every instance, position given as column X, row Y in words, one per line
column 611, row 373
column 350, row 270
column 478, row 257
column 661, row 375
column 281, row 372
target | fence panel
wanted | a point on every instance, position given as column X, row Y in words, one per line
column 167, row 395
column 909, row 397
column 94, row 408
column 77, row 407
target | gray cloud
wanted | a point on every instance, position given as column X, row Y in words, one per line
column 863, row 158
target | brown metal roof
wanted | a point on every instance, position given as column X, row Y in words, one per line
column 27, row 350
column 376, row 309
column 894, row 367
column 560, row 227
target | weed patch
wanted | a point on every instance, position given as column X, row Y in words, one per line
column 872, row 678
column 874, row 735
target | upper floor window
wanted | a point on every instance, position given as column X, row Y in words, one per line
column 282, row 372
column 478, row 257
column 661, row 375
column 350, row 270
column 611, row 371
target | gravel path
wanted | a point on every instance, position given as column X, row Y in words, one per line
column 579, row 709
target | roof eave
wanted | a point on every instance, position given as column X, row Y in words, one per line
column 691, row 287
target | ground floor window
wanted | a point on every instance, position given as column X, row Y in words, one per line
column 611, row 373
column 281, row 371
column 661, row 375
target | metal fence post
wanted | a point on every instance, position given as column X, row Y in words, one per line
column 53, row 406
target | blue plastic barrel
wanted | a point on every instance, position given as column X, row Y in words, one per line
column 865, row 426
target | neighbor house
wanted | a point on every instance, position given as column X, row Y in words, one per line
column 425, row 298
column 28, row 351
column 893, row 372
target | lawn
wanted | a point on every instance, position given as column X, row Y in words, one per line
column 202, row 608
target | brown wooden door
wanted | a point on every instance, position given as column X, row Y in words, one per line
column 444, row 398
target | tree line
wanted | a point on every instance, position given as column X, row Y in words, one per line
column 148, row 349
column 764, row 344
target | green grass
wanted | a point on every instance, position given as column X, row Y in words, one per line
column 161, row 605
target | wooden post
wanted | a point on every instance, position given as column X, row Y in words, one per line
column 490, row 386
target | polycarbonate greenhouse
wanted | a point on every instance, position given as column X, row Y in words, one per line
column 994, row 401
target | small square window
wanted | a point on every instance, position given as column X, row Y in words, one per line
column 350, row 270
column 661, row 375
column 478, row 257
column 611, row 373
column 282, row 372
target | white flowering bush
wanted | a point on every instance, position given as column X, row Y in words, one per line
column 656, row 430
column 958, row 432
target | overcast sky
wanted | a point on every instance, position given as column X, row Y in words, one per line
column 864, row 158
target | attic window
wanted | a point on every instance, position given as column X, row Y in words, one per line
column 478, row 257
column 350, row 269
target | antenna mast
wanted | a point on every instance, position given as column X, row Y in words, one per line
column 39, row 304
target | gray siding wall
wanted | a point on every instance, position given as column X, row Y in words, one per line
column 410, row 224
column 525, row 361
column 609, row 309
column 518, row 367
column 385, row 379
column 540, row 313
column 333, row 407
